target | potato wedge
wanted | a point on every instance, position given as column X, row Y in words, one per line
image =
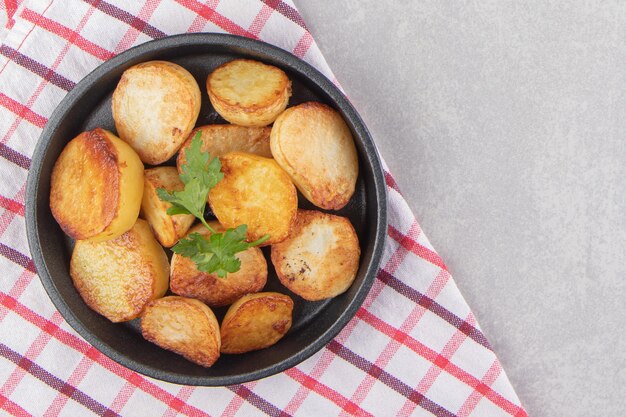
column 155, row 106
column 184, row 326
column 188, row 281
column 314, row 145
column 96, row 186
column 248, row 93
column 256, row 321
column 118, row 277
column 167, row 229
column 257, row 192
column 218, row 140
column 320, row 258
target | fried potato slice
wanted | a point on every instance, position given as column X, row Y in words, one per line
column 167, row 229
column 184, row 326
column 256, row 321
column 257, row 192
column 218, row 140
column 118, row 277
column 155, row 106
column 96, row 186
column 248, row 93
column 320, row 258
column 188, row 281
column 314, row 145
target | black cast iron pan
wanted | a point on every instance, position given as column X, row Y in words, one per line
column 88, row 106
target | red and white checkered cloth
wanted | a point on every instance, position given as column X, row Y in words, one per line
column 414, row 348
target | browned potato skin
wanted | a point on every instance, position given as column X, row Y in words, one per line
column 256, row 321
column 167, row 229
column 218, row 140
column 313, row 274
column 96, row 186
column 184, row 326
column 255, row 191
column 118, row 277
column 248, row 93
column 313, row 143
column 188, row 281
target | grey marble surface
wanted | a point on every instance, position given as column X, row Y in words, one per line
column 505, row 125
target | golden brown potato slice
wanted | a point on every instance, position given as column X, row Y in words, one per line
column 218, row 140
column 167, row 229
column 256, row 321
column 155, row 106
column 96, row 186
column 320, row 257
column 314, row 145
column 188, row 281
column 257, row 192
column 118, row 277
column 184, row 326
column 248, row 93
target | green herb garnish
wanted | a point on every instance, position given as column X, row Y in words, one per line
column 217, row 254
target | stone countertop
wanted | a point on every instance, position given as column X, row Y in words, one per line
column 504, row 124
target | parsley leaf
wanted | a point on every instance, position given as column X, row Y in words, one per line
column 199, row 176
column 217, row 254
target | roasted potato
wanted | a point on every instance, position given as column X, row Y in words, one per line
column 184, row 326
column 320, row 258
column 188, row 281
column 96, row 186
column 218, row 140
column 248, row 93
column 118, row 277
column 257, row 192
column 167, row 229
column 314, row 145
column 256, row 321
column 155, row 105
